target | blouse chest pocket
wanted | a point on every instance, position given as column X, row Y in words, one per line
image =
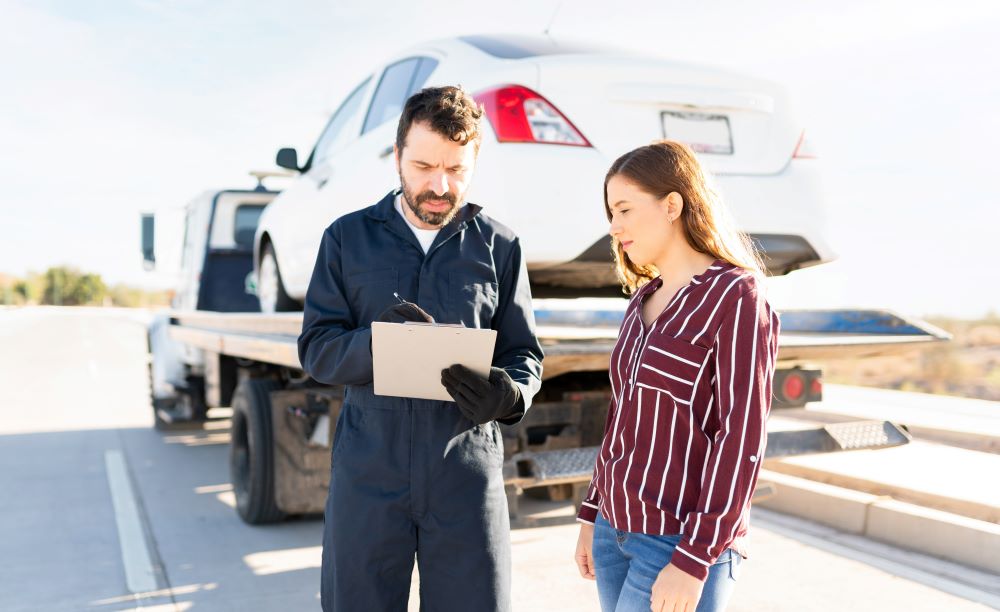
column 672, row 366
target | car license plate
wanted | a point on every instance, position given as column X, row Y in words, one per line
column 703, row 132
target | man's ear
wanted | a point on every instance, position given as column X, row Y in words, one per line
column 675, row 204
column 395, row 154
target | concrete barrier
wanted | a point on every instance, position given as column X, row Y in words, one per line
column 957, row 538
column 836, row 507
column 934, row 532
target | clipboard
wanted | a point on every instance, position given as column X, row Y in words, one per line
column 408, row 357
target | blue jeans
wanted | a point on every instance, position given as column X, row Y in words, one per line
column 626, row 566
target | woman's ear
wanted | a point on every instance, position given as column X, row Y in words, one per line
column 675, row 205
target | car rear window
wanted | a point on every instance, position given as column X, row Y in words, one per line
column 520, row 47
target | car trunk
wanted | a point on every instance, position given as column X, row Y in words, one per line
column 738, row 125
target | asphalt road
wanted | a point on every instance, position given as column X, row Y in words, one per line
column 101, row 512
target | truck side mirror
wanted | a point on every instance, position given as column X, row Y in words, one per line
column 148, row 238
column 288, row 158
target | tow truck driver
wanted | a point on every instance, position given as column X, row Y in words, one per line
column 412, row 477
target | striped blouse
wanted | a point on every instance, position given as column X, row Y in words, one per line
column 685, row 431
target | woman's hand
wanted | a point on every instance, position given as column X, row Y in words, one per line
column 584, row 551
column 675, row 591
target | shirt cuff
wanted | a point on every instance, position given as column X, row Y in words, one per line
column 689, row 563
column 587, row 513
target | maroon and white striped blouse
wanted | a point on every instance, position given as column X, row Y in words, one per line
column 686, row 428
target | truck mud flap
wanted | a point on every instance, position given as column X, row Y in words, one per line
column 301, row 449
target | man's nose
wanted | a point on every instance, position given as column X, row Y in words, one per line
column 439, row 183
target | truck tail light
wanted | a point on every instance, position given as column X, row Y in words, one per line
column 793, row 387
column 518, row 114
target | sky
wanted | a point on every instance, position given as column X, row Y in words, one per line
column 114, row 108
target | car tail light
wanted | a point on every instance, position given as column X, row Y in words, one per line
column 804, row 150
column 816, row 389
column 518, row 114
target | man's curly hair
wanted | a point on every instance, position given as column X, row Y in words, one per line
column 449, row 111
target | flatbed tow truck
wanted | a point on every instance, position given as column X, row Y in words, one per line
column 283, row 422
column 213, row 351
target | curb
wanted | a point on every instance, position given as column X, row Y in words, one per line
column 957, row 538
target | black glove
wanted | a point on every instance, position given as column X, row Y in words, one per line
column 401, row 313
column 482, row 400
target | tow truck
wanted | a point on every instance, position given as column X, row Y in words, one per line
column 209, row 352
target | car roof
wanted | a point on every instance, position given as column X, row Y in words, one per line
column 512, row 46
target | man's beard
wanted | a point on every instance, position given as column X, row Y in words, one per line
column 413, row 201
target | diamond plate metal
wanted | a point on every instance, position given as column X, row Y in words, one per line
column 556, row 466
column 866, row 434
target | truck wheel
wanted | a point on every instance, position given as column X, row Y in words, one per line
column 270, row 290
column 251, row 452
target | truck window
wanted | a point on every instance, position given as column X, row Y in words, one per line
column 398, row 82
column 334, row 135
column 245, row 225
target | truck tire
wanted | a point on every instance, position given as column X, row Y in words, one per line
column 251, row 452
column 270, row 289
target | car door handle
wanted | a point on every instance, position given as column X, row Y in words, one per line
column 386, row 152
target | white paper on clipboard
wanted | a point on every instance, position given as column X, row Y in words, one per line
column 408, row 358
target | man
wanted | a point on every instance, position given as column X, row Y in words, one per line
column 414, row 477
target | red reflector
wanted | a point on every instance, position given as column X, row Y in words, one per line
column 793, row 387
column 518, row 114
column 817, row 387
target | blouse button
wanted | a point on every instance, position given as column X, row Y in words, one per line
column 753, row 458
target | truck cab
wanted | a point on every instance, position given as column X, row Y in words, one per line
column 214, row 274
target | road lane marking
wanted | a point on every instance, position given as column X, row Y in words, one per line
column 140, row 572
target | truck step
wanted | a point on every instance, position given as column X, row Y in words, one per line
column 543, row 468
column 853, row 435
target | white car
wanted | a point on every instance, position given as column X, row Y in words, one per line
column 558, row 115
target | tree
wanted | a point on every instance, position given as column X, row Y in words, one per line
column 65, row 286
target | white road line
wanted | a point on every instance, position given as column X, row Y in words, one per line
column 140, row 575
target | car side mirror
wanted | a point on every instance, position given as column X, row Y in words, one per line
column 148, row 237
column 288, row 158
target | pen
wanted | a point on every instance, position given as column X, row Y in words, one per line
column 404, row 303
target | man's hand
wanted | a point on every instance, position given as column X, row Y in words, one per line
column 401, row 313
column 480, row 399
column 675, row 589
column 585, row 551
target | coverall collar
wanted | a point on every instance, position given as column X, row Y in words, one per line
column 385, row 211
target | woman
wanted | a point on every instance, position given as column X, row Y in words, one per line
column 664, row 523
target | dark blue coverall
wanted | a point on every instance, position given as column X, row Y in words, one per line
column 413, row 476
